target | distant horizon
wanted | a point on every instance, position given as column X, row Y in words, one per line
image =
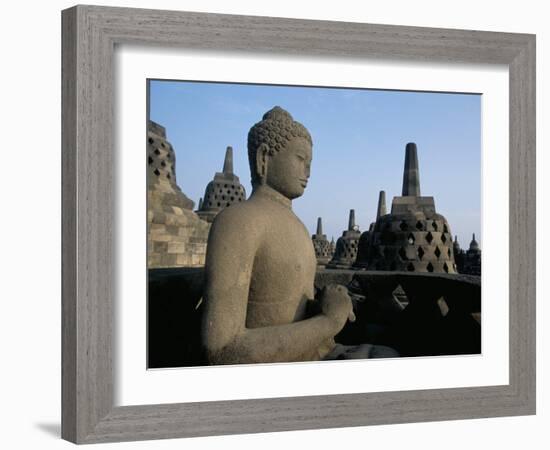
column 359, row 138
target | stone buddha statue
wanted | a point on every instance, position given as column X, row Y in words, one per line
column 260, row 262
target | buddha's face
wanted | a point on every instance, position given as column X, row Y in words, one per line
column 288, row 169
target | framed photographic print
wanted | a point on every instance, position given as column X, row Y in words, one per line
column 262, row 222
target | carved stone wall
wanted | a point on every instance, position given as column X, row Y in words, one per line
column 176, row 236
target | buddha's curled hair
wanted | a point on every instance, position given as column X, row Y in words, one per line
column 276, row 129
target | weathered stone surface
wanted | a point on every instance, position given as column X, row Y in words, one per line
column 260, row 263
column 413, row 237
column 346, row 246
column 411, row 175
column 223, row 191
column 176, row 236
column 322, row 247
column 415, row 327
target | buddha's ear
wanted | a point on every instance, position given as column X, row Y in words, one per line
column 262, row 160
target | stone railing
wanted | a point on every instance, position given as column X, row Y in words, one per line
column 417, row 314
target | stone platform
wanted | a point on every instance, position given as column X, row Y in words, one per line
column 418, row 314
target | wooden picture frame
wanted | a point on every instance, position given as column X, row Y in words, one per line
column 90, row 34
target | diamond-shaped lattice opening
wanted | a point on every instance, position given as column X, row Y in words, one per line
column 150, row 160
column 150, row 140
column 402, row 253
column 410, row 238
column 430, row 267
column 449, row 252
column 156, row 172
column 437, row 252
column 443, row 238
column 434, row 225
column 419, row 225
column 420, row 252
column 446, row 268
column 429, row 237
column 403, row 225
column 168, row 176
column 162, row 144
column 445, row 228
column 410, row 267
column 163, row 164
column 157, row 151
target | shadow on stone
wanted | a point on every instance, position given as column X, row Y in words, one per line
column 437, row 320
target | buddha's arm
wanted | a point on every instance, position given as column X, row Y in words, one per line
column 230, row 257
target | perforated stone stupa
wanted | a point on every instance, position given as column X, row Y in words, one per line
column 176, row 236
column 224, row 190
column 413, row 237
column 469, row 261
column 323, row 251
column 362, row 259
column 346, row 246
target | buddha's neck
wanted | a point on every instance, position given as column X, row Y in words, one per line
column 267, row 192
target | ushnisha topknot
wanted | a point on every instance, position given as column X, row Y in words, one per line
column 276, row 129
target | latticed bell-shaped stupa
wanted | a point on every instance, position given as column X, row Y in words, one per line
column 176, row 236
column 346, row 246
column 321, row 245
column 456, row 246
column 224, row 190
column 364, row 245
column 413, row 237
column 472, row 263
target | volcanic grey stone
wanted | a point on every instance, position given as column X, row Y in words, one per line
column 176, row 237
column 223, row 191
column 346, row 246
column 412, row 325
column 323, row 251
column 413, row 237
column 260, row 265
column 411, row 175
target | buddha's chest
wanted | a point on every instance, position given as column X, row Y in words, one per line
column 286, row 255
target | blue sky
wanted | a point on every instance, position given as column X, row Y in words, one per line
column 359, row 139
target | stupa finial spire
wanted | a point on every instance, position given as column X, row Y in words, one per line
column 319, row 226
column 381, row 210
column 351, row 223
column 411, row 176
column 228, row 162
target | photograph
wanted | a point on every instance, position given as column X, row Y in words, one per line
column 287, row 223
column 294, row 224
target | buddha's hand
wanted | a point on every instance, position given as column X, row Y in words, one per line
column 336, row 305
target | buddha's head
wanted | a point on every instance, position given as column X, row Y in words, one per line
column 279, row 152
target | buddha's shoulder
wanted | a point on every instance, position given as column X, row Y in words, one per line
column 243, row 216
